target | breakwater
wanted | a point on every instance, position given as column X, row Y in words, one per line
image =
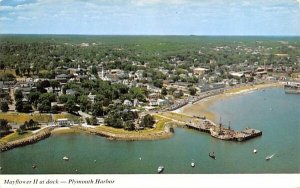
column 45, row 133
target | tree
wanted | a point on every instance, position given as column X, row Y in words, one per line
column 129, row 115
column 49, row 97
column 147, row 121
column 164, row 91
column 97, row 109
column 158, row 83
column 129, row 125
column 18, row 95
column 54, row 109
column 138, row 93
column 94, row 70
column 91, row 121
column 4, row 106
column 4, row 127
column 84, row 102
column 19, row 106
column 44, row 106
column 113, row 120
column 26, row 107
column 21, row 129
column 33, row 98
column 71, row 106
column 192, row 90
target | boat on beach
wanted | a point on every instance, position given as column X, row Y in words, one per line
column 160, row 169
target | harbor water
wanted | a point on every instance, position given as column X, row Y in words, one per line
column 271, row 110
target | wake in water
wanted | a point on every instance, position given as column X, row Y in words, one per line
column 270, row 156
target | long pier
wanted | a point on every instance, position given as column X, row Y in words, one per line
column 223, row 133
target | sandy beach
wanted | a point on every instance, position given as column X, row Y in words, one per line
column 201, row 108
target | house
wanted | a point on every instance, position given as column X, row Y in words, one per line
column 237, row 74
column 200, row 71
column 153, row 103
column 64, row 122
column 162, row 102
column 62, row 78
column 91, row 97
column 70, row 92
column 127, row 102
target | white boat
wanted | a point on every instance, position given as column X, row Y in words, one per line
column 65, row 158
column 192, row 164
column 269, row 157
column 160, row 169
column 254, row 151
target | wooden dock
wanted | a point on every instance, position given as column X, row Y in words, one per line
column 222, row 133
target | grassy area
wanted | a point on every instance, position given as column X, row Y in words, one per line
column 20, row 118
column 10, row 71
column 15, row 136
column 177, row 116
column 66, row 115
column 159, row 127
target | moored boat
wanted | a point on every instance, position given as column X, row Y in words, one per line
column 65, row 158
column 160, row 169
column 269, row 157
column 212, row 155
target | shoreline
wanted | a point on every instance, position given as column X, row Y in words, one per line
column 162, row 130
column 201, row 107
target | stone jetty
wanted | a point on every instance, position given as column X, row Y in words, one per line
column 45, row 133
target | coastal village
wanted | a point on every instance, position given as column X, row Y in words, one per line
column 104, row 99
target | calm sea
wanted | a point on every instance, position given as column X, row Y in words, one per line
column 272, row 111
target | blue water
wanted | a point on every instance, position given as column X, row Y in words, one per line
column 272, row 111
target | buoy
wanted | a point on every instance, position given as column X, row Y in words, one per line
column 95, row 161
column 140, row 158
column 254, row 151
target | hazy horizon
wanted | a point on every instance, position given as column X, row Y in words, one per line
column 151, row 17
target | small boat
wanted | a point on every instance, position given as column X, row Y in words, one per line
column 140, row 158
column 269, row 157
column 65, row 158
column 95, row 161
column 254, row 151
column 33, row 166
column 192, row 164
column 0, row 168
column 212, row 156
column 160, row 169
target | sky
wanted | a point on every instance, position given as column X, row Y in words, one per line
column 151, row 17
